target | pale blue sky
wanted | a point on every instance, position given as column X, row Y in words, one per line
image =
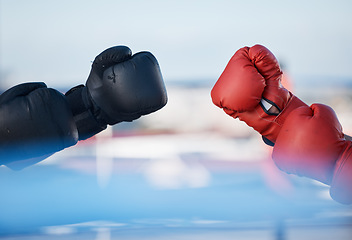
column 55, row 41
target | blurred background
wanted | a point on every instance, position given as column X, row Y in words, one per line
column 188, row 171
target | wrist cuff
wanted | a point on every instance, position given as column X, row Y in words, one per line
column 83, row 112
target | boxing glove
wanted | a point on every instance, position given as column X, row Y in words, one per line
column 250, row 89
column 311, row 144
column 120, row 87
column 35, row 122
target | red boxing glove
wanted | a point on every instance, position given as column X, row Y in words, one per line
column 311, row 144
column 250, row 82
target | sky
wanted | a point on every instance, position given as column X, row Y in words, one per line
column 56, row 41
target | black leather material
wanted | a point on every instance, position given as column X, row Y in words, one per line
column 120, row 87
column 35, row 121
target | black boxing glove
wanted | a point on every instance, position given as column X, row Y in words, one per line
column 35, row 122
column 120, row 87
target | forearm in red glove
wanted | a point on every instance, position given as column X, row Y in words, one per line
column 311, row 144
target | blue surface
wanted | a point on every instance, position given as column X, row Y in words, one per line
column 48, row 195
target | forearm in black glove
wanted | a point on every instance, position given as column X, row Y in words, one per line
column 35, row 122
